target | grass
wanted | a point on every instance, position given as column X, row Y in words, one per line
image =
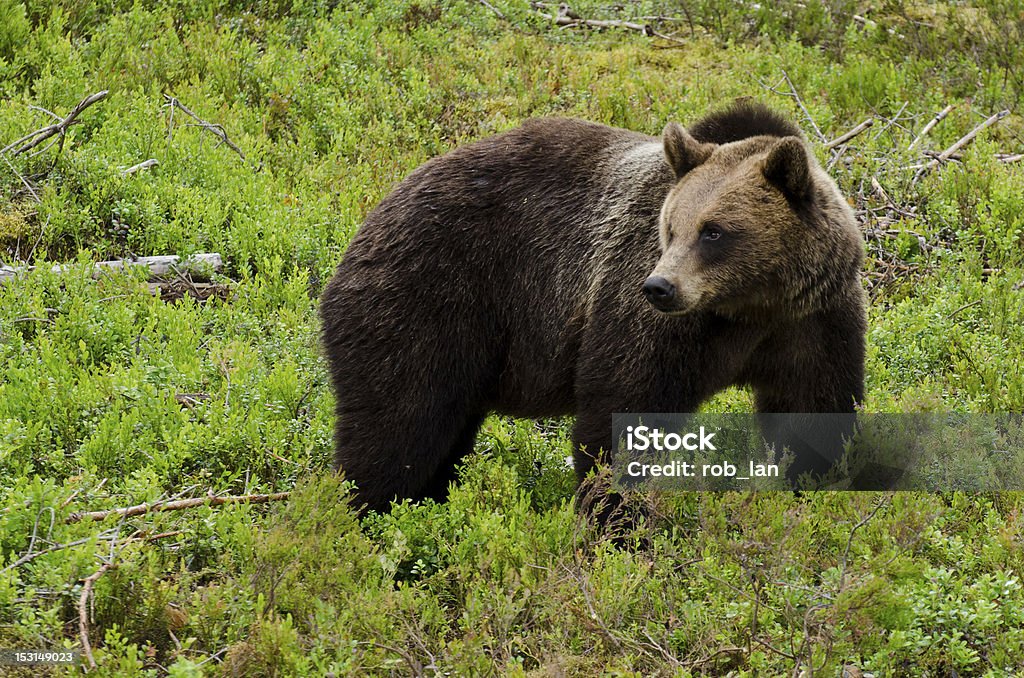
column 331, row 106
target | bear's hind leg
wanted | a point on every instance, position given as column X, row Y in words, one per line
column 437, row 487
column 389, row 456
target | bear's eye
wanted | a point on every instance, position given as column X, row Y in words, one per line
column 710, row 233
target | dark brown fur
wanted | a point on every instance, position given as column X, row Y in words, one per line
column 507, row 276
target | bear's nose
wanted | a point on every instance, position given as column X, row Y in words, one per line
column 659, row 291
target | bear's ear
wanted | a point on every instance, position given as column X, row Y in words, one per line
column 682, row 151
column 788, row 168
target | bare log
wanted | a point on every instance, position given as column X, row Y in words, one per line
column 30, row 141
column 166, row 264
column 196, row 265
column 209, row 500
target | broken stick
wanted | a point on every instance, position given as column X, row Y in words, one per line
column 931, row 123
column 145, row 164
column 839, row 141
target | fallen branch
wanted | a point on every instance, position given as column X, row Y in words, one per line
column 33, row 139
column 212, row 128
column 939, row 117
column 209, row 500
column 839, row 141
column 494, row 9
column 567, row 18
column 145, row 164
column 960, row 143
column 83, row 610
column 197, row 265
column 966, row 306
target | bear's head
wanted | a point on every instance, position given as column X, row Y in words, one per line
column 752, row 227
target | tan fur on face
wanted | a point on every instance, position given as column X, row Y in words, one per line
column 755, row 192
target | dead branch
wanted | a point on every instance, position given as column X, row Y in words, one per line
column 494, row 9
column 567, row 18
column 25, row 182
column 212, row 128
column 880, row 192
column 795, row 95
column 196, row 265
column 414, row 665
column 800, row 103
column 960, row 143
column 209, row 500
column 33, row 139
column 83, row 610
column 889, row 122
column 966, row 306
column 145, row 164
column 879, row 505
column 931, row 123
column 30, row 556
column 839, row 141
column 1010, row 158
column 864, row 21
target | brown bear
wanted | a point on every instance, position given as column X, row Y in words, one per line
column 566, row 267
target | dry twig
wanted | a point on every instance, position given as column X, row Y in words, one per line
column 83, row 610
column 30, row 555
column 795, row 95
column 212, row 128
column 879, row 505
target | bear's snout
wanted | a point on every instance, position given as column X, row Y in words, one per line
column 659, row 292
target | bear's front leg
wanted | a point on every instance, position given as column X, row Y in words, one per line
column 814, row 367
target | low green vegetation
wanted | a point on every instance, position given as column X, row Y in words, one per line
column 111, row 396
